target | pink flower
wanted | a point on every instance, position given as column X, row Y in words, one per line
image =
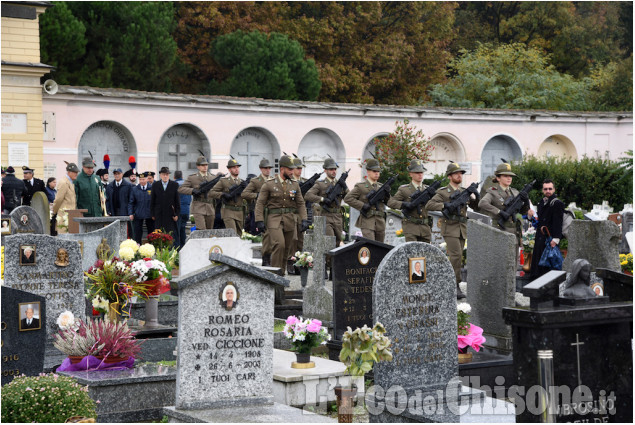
column 314, row 326
column 292, row 320
column 474, row 338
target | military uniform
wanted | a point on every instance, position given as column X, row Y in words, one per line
column 232, row 210
column 416, row 226
column 373, row 221
column 202, row 207
column 454, row 229
column 299, row 240
column 278, row 203
column 250, row 194
column 33, row 185
column 316, row 195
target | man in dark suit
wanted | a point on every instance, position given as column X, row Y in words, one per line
column 13, row 190
column 118, row 196
column 32, row 185
column 29, row 322
column 550, row 214
column 165, row 202
column 139, row 207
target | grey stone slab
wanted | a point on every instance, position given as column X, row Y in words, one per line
column 435, row 239
column 212, row 233
column 40, row 204
column 491, row 281
column 595, row 241
column 61, row 285
column 225, row 352
column 272, row 413
column 158, row 349
column 485, row 219
column 22, row 348
column 420, row 318
column 25, row 219
column 318, row 299
column 393, row 223
column 352, row 229
column 627, row 226
column 168, row 311
column 195, row 254
column 90, row 224
column 88, row 242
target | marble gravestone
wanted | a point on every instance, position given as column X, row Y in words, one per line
column 353, row 230
column 25, row 219
column 40, row 203
column 420, row 319
column 88, row 242
column 225, row 350
column 393, row 223
column 212, row 233
column 627, row 226
column 53, row 271
column 91, row 224
column 354, row 268
column 435, row 239
column 317, row 298
column 491, row 281
column 195, row 254
column 23, row 345
column 595, row 241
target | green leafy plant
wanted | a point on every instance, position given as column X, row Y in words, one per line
column 363, row 347
column 44, row 399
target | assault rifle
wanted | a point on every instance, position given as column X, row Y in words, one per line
column 336, row 190
column 376, row 196
column 236, row 190
column 207, row 186
column 513, row 205
column 458, row 200
column 304, row 187
column 420, row 198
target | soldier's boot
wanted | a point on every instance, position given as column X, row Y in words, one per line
column 290, row 267
column 459, row 295
column 266, row 260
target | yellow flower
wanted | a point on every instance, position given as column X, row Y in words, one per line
column 130, row 244
column 126, row 253
column 147, row 250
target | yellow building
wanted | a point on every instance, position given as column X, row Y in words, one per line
column 22, row 126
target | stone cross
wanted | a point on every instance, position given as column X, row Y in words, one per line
column 177, row 154
column 319, row 244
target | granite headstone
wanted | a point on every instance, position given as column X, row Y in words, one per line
column 22, row 344
column 393, row 223
column 195, row 254
column 89, row 242
column 595, row 241
column 317, row 298
column 212, row 233
column 91, row 224
column 627, row 226
column 225, row 348
column 25, row 219
column 617, row 286
column 435, row 239
column 40, row 203
column 353, row 230
column 491, row 281
column 53, row 271
column 420, row 319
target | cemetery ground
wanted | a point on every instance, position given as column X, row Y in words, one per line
column 217, row 350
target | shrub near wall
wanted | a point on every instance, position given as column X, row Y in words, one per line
column 586, row 181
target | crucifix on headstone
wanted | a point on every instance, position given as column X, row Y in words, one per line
column 177, row 154
column 250, row 154
column 319, row 244
column 577, row 345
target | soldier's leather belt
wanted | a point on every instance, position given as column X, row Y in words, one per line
column 458, row 218
column 232, row 208
column 283, row 210
column 372, row 213
column 204, row 200
column 418, row 220
column 330, row 210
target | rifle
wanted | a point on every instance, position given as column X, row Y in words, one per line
column 207, row 186
column 376, row 196
column 237, row 189
column 336, row 190
column 420, row 198
column 458, row 200
column 304, row 187
column 513, row 205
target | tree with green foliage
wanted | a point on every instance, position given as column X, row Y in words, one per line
column 510, row 76
column 264, row 65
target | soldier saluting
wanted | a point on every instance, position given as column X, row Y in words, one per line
column 202, row 203
column 233, row 209
column 279, row 201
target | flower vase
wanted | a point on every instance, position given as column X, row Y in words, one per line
column 345, row 398
column 465, row 357
column 152, row 312
column 75, row 359
column 303, row 361
column 114, row 312
column 527, row 265
column 304, row 275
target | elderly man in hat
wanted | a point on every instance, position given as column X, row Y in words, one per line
column 233, row 208
column 416, row 227
column 13, row 189
column 165, row 203
column 65, row 199
column 372, row 219
column 279, row 201
column 454, row 229
column 87, row 190
column 251, row 194
column 203, row 204
column 139, row 207
column 32, row 185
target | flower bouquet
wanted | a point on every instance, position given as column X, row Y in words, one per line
column 303, row 259
column 305, row 334
column 626, row 263
column 129, row 250
column 160, row 240
column 153, row 274
column 529, row 240
column 469, row 335
column 363, row 347
column 249, row 237
column 399, row 232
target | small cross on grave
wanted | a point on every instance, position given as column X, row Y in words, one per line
column 177, row 154
column 577, row 345
column 319, row 244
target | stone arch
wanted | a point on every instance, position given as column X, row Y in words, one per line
column 250, row 146
column 497, row 147
column 558, row 145
column 316, row 146
column 369, row 149
column 447, row 147
column 107, row 137
column 179, row 147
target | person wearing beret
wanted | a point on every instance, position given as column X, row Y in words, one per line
column 12, row 189
column 165, row 203
column 87, row 189
column 139, row 207
column 32, row 185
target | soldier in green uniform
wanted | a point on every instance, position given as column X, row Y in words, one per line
column 251, row 194
column 416, row 227
column 372, row 219
column 279, row 201
column 87, row 190
column 233, row 209
column 453, row 230
column 299, row 241
column 496, row 195
column 202, row 203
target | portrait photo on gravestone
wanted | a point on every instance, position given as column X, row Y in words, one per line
column 6, row 226
column 30, row 316
column 27, row 255
column 417, row 269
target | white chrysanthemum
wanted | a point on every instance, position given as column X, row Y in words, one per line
column 298, row 253
column 130, row 244
column 126, row 253
column 464, row 307
column 309, row 258
column 66, row 319
column 147, row 250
